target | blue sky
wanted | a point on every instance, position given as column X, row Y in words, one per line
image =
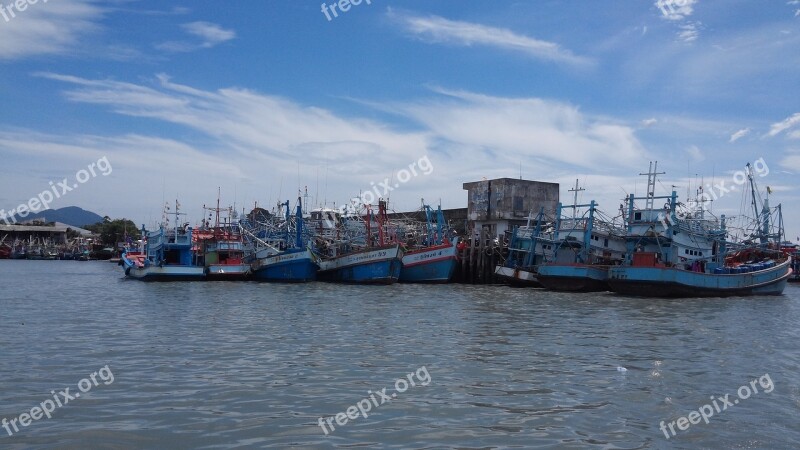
column 264, row 98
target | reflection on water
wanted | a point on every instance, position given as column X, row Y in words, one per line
column 216, row 365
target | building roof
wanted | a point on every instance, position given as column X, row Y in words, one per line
column 57, row 227
column 517, row 181
column 33, row 228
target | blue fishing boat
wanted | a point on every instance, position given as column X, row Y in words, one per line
column 221, row 246
column 585, row 248
column 528, row 248
column 282, row 259
column 434, row 261
column 343, row 257
column 167, row 255
column 379, row 265
column 671, row 256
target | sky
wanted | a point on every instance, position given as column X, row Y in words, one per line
column 265, row 100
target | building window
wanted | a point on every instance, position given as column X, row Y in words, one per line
column 518, row 204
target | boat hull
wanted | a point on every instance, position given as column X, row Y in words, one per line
column 574, row 278
column 136, row 268
column 225, row 272
column 429, row 265
column 288, row 267
column 518, row 277
column 371, row 266
column 671, row 282
column 166, row 273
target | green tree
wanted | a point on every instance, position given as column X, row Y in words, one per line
column 113, row 231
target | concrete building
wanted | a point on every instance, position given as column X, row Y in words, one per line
column 499, row 205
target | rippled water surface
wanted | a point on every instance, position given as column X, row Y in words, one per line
column 247, row 365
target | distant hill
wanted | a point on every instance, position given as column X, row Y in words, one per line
column 70, row 215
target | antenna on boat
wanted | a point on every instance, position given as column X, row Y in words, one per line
column 316, row 194
column 576, row 189
column 216, row 220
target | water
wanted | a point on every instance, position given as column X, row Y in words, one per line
column 246, row 365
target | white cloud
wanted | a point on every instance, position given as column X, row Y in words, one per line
column 679, row 11
column 695, row 153
column 47, row 28
column 689, row 31
column 739, row 134
column 210, row 35
column 440, row 30
column 132, row 159
column 794, row 134
column 466, row 136
column 675, row 9
column 784, row 125
column 512, row 129
column 791, row 162
column 649, row 122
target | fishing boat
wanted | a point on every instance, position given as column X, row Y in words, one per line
column 353, row 249
column 585, row 249
column 688, row 256
column 795, row 257
column 528, row 248
column 281, row 253
column 166, row 255
column 5, row 249
column 434, row 259
column 793, row 252
column 222, row 246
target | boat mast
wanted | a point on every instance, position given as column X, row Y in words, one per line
column 587, row 236
column 652, row 173
column 299, row 222
column 216, row 222
column 576, row 189
column 763, row 216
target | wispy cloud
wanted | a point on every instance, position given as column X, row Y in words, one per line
column 679, row 11
column 689, row 31
column 676, row 9
column 48, row 28
column 467, row 34
column 513, row 129
column 784, row 125
column 209, row 34
column 739, row 134
column 695, row 153
column 649, row 122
